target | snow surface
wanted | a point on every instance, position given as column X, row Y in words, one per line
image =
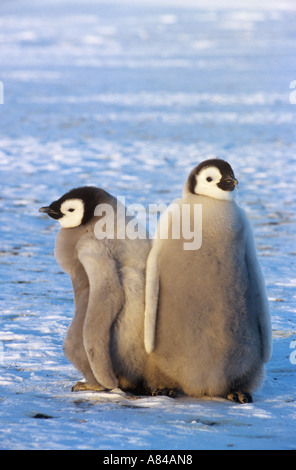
column 130, row 96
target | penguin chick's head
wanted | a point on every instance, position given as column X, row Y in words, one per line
column 213, row 178
column 74, row 208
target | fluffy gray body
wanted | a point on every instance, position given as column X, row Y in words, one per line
column 207, row 317
column 105, row 340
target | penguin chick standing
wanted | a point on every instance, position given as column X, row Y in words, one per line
column 105, row 340
column 207, row 321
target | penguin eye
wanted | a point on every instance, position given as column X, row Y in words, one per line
column 209, row 179
column 71, row 210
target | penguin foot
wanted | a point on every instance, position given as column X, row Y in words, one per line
column 83, row 386
column 168, row 392
column 240, row 397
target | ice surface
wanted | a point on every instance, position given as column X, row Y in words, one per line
column 130, row 96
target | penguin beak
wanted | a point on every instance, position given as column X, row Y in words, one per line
column 231, row 181
column 228, row 183
column 48, row 210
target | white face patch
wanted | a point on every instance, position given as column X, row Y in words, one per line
column 73, row 210
column 206, row 184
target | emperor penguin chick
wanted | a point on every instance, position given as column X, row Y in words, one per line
column 105, row 340
column 207, row 321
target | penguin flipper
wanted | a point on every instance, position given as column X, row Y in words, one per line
column 258, row 292
column 104, row 303
column 151, row 299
